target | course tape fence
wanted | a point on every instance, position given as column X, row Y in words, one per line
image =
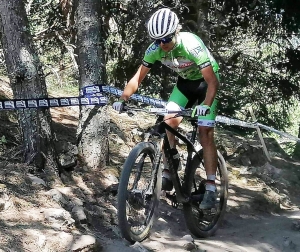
column 219, row 119
column 94, row 95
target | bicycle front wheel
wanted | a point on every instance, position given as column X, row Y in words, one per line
column 138, row 192
column 203, row 223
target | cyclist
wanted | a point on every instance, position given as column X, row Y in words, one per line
column 198, row 82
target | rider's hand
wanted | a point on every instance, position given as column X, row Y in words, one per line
column 201, row 110
column 118, row 105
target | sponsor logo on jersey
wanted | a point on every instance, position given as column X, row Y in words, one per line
column 181, row 62
column 206, row 64
column 186, row 64
column 152, row 48
column 196, row 51
column 146, row 64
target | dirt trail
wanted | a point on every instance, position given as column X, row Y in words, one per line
column 263, row 207
column 241, row 231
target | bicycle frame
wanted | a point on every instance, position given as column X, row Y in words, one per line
column 189, row 191
column 181, row 196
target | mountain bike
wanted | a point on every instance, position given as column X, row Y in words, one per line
column 140, row 182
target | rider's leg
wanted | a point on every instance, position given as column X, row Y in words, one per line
column 206, row 138
column 174, row 123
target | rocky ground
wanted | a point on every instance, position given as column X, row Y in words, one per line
column 262, row 214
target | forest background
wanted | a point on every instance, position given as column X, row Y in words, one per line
column 74, row 43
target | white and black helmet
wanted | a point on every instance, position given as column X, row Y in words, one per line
column 162, row 23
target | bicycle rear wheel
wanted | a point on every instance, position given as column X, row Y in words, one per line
column 138, row 192
column 204, row 223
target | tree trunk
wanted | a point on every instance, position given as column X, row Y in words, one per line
column 296, row 154
column 197, row 17
column 27, row 81
column 94, row 122
column 202, row 20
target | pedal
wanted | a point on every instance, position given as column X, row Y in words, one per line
column 173, row 199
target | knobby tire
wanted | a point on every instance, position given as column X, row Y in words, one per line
column 189, row 209
column 143, row 148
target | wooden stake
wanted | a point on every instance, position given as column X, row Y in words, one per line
column 260, row 135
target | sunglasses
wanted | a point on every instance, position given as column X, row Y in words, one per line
column 165, row 40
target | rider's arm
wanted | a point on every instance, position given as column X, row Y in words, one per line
column 149, row 59
column 134, row 83
column 212, row 84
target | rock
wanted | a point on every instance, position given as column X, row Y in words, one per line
column 244, row 170
column 288, row 243
column 136, row 132
column 66, row 190
column 77, row 201
column 79, row 215
column 112, row 178
column 58, row 215
column 245, row 161
column 247, row 155
column 188, row 238
column 270, row 171
column 67, row 160
column 41, row 241
column 86, row 243
column 188, row 244
column 36, row 180
column 155, row 246
column 4, row 202
column 2, row 186
column 57, row 196
column 139, row 247
column 162, row 220
column 296, row 225
column 67, row 154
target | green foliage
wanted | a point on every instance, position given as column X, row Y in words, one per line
column 289, row 11
column 3, row 140
column 259, row 63
column 255, row 42
column 54, row 38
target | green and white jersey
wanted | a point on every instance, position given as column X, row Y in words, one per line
column 187, row 58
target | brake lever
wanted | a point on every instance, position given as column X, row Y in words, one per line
column 128, row 110
column 131, row 113
column 125, row 108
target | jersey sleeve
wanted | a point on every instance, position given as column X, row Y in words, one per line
column 150, row 55
column 198, row 53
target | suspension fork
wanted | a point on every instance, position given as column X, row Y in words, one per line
column 157, row 158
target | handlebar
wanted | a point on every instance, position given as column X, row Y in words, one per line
column 162, row 111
